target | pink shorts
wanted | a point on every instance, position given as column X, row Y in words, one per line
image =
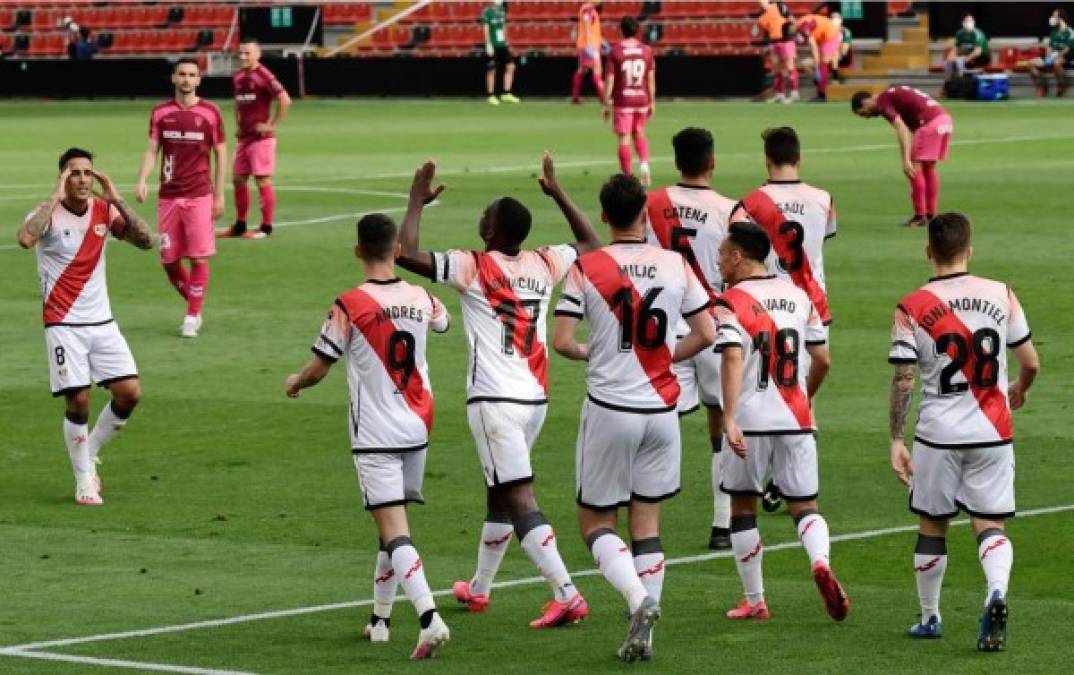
column 629, row 120
column 186, row 228
column 784, row 51
column 931, row 141
column 829, row 51
column 590, row 59
column 255, row 157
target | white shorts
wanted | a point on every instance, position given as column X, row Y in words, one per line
column 979, row 481
column 78, row 356
column 699, row 381
column 390, row 478
column 792, row 459
column 626, row 455
column 504, row 434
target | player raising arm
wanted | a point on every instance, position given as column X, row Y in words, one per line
column 84, row 344
column 956, row 330
column 380, row 329
column 630, row 96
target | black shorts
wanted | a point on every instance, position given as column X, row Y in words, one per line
column 501, row 56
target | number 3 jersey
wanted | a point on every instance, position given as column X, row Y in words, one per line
column 957, row 329
column 504, row 301
column 772, row 321
column 380, row 329
column 633, row 295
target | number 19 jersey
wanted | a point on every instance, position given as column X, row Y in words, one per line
column 957, row 329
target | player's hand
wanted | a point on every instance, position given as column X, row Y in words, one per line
column 218, row 206
column 422, row 187
column 735, row 438
column 1016, row 395
column 549, row 184
column 109, row 193
column 900, row 462
column 141, row 191
column 652, row 110
column 61, row 185
column 606, row 113
column 292, row 387
column 908, row 169
column 489, row 51
column 263, row 129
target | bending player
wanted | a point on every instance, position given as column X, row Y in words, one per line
column 924, row 131
column 380, row 329
column 765, row 324
column 84, row 343
column 186, row 130
column 505, row 294
column 628, row 454
column 691, row 219
column 589, row 44
column 778, row 28
column 956, row 329
column 824, row 39
column 630, row 90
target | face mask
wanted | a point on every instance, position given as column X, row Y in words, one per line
column 967, row 25
column 1053, row 21
column 837, row 21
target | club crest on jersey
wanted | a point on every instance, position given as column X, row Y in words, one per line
column 99, row 229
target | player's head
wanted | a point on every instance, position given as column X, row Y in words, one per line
column 628, row 25
column 950, row 239
column 1059, row 19
column 622, row 203
column 967, row 21
column 781, row 147
column 695, row 152
column 378, row 238
column 249, row 53
column 863, row 104
column 837, row 19
column 743, row 251
column 505, row 223
column 186, row 75
column 79, row 162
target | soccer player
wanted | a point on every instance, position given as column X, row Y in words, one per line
column 84, row 343
column 765, row 324
column 255, row 90
column 186, row 130
column 505, row 294
column 630, row 90
column 494, row 22
column 632, row 295
column 957, row 329
column 970, row 50
column 778, row 28
column 1057, row 55
column 589, row 44
column 924, row 131
column 824, row 39
column 380, row 329
column 691, row 218
column 846, row 46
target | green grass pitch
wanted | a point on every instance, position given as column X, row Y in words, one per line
column 225, row 498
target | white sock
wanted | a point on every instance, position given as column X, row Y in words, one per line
column 813, row 531
column 930, row 563
column 539, row 543
column 997, row 555
column 385, row 583
column 643, row 167
column 408, row 569
column 617, row 565
column 749, row 552
column 495, row 538
column 108, row 425
column 649, row 564
column 76, row 436
column 721, row 501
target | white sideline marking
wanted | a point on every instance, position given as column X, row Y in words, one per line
column 313, row 609
column 119, row 663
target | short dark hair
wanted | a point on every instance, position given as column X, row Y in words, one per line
column 513, row 220
column 750, row 238
column 377, row 235
column 628, row 25
column 857, row 101
column 249, row 41
column 622, row 198
column 186, row 60
column 694, row 148
column 949, row 236
column 1062, row 13
column 72, row 153
column 781, row 146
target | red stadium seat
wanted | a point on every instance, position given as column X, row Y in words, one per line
column 7, row 20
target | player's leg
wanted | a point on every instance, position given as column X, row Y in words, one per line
column 932, row 188
column 576, row 82
column 76, row 438
column 170, row 228
column 597, row 74
column 241, row 170
column 1033, row 67
column 126, row 393
column 509, row 79
column 1060, row 69
column 707, row 369
column 385, row 584
column 648, row 552
column 624, row 149
column 937, row 476
column 641, row 145
column 267, row 193
column 112, row 366
column 743, row 480
column 792, row 75
column 490, row 80
column 950, row 65
column 67, row 349
column 918, row 195
column 199, row 246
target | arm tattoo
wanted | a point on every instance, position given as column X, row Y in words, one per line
column 902, row 391
column 37, row 222
column 137, row 231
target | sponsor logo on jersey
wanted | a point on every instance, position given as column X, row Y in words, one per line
column 246, row 98
column 99, row 229
column 185, row 135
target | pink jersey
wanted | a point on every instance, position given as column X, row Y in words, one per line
column 915, row 107
column 956, row 328
column 798, row 218
column 255, row 90
column 772, row 321
column 631, row 62
column 381, row 327
column 70, row 264
column 504, row 303
column 632, row 295
column 186, row 137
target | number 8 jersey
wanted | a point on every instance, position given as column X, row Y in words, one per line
column 957, row 329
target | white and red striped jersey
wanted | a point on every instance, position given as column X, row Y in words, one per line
column 956, row 328
column 504, row 302
column 772, row 321
column 632, row 295
column 692, row 221
column 70, row 264
column 798, row 219
column 381, row 327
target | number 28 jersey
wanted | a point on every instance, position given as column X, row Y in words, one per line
column 380, row 328
column 957, row 329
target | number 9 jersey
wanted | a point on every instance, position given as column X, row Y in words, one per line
column 957, row 329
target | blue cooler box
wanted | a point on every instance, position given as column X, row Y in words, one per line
column 996, row 87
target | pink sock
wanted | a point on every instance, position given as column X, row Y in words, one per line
column 932, row 188
column 178, row 277
column 576, row 84
column 641, row 144
column 624, row 158
column 598, row 84
column 199, row 281
column 917, row 193
column 242, row 201
column 794, row 79
column 268, row 203
column 779, row 82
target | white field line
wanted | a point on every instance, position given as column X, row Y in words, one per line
column 119, row 663
column 313, row 609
